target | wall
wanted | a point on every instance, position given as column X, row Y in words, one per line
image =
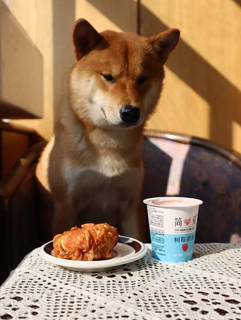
column 202, row 93
column 49, row 24
column 202, row 89
column 20, row 96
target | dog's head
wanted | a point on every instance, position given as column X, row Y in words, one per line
column 117, row 79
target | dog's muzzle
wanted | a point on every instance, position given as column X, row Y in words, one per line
column 129, row 114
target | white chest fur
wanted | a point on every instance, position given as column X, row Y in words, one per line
column 105, row 167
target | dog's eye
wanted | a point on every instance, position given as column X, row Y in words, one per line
column 108, row 77
column 142, row 79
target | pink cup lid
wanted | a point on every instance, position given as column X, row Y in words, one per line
column 173, row 202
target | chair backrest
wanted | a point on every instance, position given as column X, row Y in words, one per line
column 19, row 211
column 193, row 167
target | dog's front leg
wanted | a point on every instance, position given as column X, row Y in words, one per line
column 134, row 221
column 65, row 217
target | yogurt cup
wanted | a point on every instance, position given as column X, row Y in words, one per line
column 172, row 224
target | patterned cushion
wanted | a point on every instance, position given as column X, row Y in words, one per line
column 195, row 169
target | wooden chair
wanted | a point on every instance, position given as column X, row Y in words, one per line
column 187, row 166
column 19, row 219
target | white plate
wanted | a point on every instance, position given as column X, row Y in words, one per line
column 126, row 250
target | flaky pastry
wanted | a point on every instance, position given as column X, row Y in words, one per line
column 91, row 241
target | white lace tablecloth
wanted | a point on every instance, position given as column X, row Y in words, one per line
column 207, row 287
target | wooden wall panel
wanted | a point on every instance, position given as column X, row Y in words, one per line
column 106, row 14
column 202, row 89
column 21, row 82
column 49, row 25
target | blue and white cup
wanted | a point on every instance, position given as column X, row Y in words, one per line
column 172, row 223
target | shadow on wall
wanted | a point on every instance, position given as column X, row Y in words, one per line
column 222, row 96
column 63, row 55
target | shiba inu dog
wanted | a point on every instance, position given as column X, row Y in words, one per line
column 92, row 166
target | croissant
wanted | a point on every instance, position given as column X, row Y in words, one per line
column 91, row 241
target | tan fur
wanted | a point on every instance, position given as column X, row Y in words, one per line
column 93, row 166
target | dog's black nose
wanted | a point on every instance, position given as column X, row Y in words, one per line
column 129, row 114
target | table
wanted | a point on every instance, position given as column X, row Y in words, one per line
column 207, row 287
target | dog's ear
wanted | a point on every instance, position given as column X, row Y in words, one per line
column 165, row 42
column 85, row 38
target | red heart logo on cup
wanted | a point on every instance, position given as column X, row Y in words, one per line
column 184, row 247
column 187, row 221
